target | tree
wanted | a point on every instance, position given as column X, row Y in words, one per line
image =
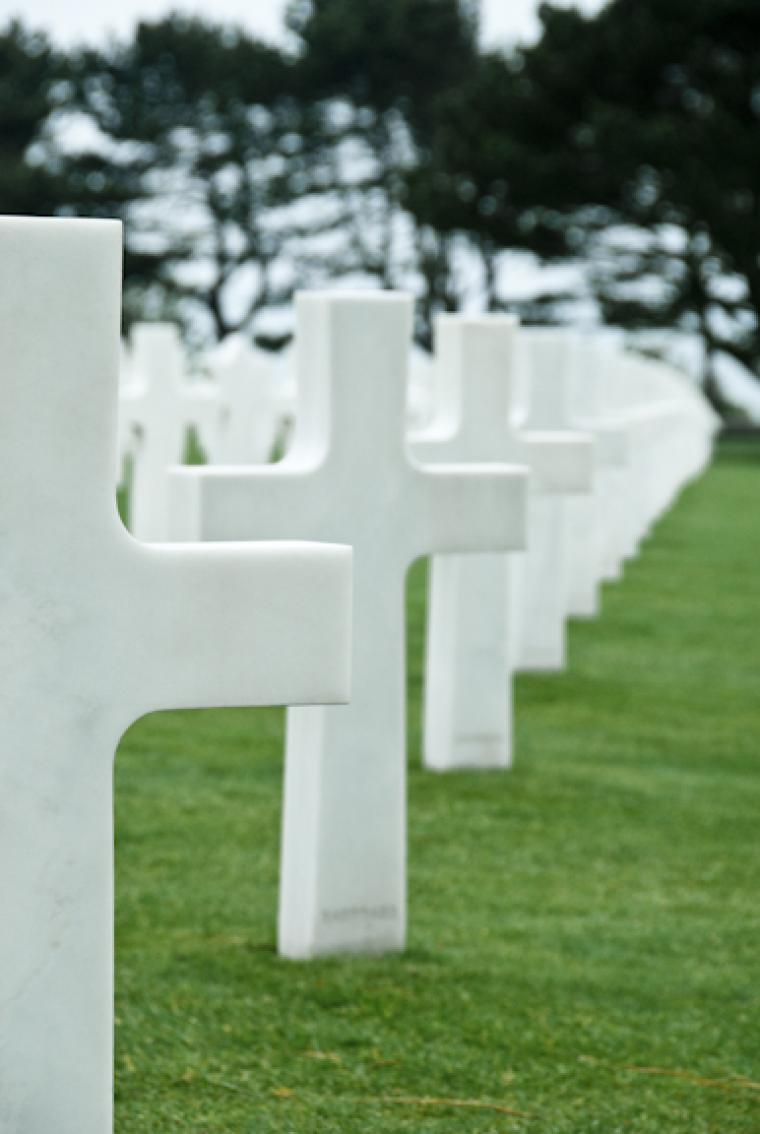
column 30, row 74
column 484, row 177
column 200, row 152
column 375, row 74
column 654, row 107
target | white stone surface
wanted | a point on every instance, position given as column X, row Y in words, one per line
column 654, row 433
column 98, row 629
column 249, row 414
column 471, row 638
column 548, row 568
column 349, row 476
column 421, row 388
column 594, row 359
column 157, row 405
column 549, row 356
column 484, row 620
column 669, row 438
column 420, row 396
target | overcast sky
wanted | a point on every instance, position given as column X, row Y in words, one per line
column 92, row 20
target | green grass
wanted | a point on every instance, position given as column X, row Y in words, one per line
column 591, row 915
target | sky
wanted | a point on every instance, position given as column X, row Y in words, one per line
column 69, row 21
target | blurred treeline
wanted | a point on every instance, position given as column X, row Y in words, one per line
column 384, row 145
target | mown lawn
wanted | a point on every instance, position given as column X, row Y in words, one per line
column 585, row 931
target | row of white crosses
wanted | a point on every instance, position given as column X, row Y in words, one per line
column 575, row 436
column 247, row 404
column 488, row 615
column 350, row 476
column 243, row 406
column 99, row 628
column 591, row 471
column 237, row 413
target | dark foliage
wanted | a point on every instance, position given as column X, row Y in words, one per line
column 386, row 145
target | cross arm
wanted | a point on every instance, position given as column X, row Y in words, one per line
column 649, row 419
column 469, row 508
column 560, row 462
column 214, row 626
column 246, row 503
column 431, row 447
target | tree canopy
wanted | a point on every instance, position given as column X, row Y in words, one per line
column 385, row 147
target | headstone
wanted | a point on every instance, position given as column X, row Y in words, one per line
column 475, row 633
column 420, row 390
column 98, row 629
column 669, row 432
column 653, row 418
column 594, row 359
column 675, row 429
column 549, row 356
column 157, row 405
column 248, row 411
column 343, row 884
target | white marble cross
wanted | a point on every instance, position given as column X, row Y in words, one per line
column 660, row 425
column 652, row 420
column 550, row 358
column 248, row 411
column 343, row 883
column 97, row 630
column 595, row 360
column 477, row 632
column 157, row 404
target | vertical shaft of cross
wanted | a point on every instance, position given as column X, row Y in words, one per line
column 548, row 355
column 343, row 864
column 150, row 405
column 594, row 362
column 348, row 477
column 98, row 629
column 248, row 416
column 564, row 463
column 56, row 885
column 160, row 405
column 469, row 663
column 55, row 786
column 477, row 359
column 571, row 531
column 350, row 380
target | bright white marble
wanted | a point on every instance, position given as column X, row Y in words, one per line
column 349, row 476
column 593, row 360
column 484, row 619
column 654, row 433
column 420, row 394
column 549, row 356
column 157, row 405
column 249, row 414
column 98, row 630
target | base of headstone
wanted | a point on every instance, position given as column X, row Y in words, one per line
column 544, row 588
column 470, row 641
column 583, row 543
